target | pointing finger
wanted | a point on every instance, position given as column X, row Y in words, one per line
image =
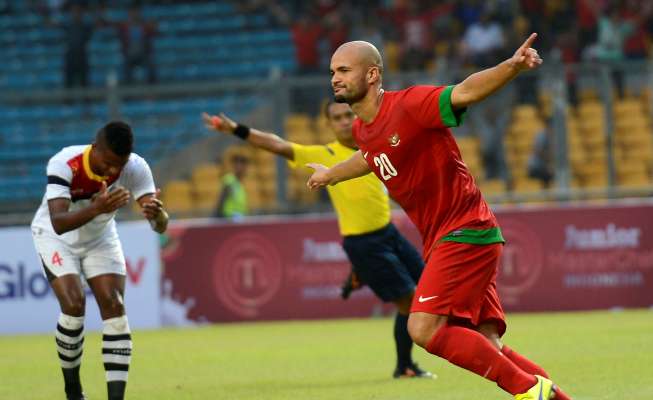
column 529, row 41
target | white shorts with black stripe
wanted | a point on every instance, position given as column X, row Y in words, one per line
column 103, row 255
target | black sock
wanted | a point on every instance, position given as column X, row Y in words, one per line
column 116, row 390
column 403, row 341
column 73, row 385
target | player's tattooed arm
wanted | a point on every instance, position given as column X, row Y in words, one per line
column 353, row 167
column 152, row 209
column 483, row 83
column 263, row 140
column 63, row 220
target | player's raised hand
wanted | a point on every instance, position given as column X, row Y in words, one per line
column 320, row 177
column 152, row 208
column 220, row 123
column 526, row 57
column 109, row 201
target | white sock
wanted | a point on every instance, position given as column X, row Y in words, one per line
column 116, row 348
column 70, row 340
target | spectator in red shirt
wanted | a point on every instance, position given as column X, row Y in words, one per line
column 337, row 31
column 306, row 34
column 639, row 14
column 415, row 24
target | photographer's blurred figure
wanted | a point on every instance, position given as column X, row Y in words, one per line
column 233, row 198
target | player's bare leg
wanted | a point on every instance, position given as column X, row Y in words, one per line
column 469, row 349
column 405, row 365
column 69, row 335
column 491, row 331
column 108, row 290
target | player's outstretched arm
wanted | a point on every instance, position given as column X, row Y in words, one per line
column 263, row 140
column 153, row 211
column 103, row 202
column 483, row 83
column 351, row 168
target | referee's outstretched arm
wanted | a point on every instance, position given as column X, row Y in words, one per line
column 262, row 140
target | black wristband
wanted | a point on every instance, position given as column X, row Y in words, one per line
column 242, row 131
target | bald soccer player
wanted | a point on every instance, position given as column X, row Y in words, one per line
column 382, row 258
column 404, row 138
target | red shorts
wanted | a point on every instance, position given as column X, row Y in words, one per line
column 459, row 281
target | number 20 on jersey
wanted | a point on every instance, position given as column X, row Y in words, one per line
column 386, row 169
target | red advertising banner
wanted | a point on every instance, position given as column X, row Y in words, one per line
column 577, row 258
column 567, row 258
column 268, row 270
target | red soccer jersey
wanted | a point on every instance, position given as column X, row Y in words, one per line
column 410, row 148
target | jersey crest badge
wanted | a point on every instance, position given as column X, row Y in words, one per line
column 74, row 165
column 394, row 139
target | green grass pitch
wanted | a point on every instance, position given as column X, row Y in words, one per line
column 594, row 356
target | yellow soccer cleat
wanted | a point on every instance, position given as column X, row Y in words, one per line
column 543, row 390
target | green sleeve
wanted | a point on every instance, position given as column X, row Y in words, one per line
column 450, row 118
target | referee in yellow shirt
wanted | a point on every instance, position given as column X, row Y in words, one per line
column 381, row 257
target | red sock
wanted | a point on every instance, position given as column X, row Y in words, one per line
column 469, row 349
column 532, row 368
column 523, row 362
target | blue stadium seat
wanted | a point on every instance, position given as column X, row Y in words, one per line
column 200, row 41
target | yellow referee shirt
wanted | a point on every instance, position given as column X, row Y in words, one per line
column 361, row 204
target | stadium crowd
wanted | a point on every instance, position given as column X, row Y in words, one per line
column 415, row 35
column 422, row 34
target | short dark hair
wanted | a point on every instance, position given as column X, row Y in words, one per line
column 327, row 108
column 118, row 137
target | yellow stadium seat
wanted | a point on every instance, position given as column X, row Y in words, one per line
column 575, row 183
column 630, row 168
column 595, row 179
column 304, row 136
column 206, row 174
column 309, row 197
column 206, row 202
column 391, row 50
column 519, row 173
column 264, row 156
column 591, row 127
column 627, row 107
column 637, row 139
column 639, row 180
column 493, row 187
column 178, row 197
column 254, row 200
column 524, row 112
column 267, row 170
column 529, row 127
column 297, row 122
column 588, row 94
column 590, row 110
column 527, row 185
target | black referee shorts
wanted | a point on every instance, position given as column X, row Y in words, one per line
column 385, row 261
